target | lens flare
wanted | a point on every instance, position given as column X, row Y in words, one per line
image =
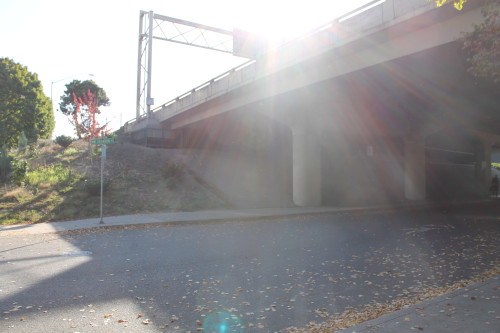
column 222, row 322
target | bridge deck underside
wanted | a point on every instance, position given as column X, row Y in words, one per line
column 363, row 120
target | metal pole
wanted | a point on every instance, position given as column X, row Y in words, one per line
column 139, row 67
column 150, row 59
column 103, row 154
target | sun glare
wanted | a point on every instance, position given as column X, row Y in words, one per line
column 282, row 20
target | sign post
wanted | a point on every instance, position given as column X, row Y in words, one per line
column 102, row 142
column 103, row 161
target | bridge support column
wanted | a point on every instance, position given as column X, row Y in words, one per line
column 482, row 167
column 487, row 170
column 306, row 166
column 414, row 170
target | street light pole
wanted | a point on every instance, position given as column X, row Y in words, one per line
column 68, row 77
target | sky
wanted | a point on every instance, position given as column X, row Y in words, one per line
column 64, row 40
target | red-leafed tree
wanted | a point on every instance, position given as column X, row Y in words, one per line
column 84, row 116
column 80, row 103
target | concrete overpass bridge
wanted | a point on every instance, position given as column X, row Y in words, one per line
column 375, row 106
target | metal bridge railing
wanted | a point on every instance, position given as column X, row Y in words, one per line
column 346, row 28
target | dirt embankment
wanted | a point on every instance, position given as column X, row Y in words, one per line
column 60, row 184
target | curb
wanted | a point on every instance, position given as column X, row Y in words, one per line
column 157, row 219
column 377, row 324
column 94, row 225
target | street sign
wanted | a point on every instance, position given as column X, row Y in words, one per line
column 102, row 141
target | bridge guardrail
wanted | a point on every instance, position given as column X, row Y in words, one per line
column 338, row 32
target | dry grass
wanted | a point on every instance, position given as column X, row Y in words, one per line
column 15, row 195
column 55, row 186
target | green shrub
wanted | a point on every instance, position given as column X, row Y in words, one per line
column 20, row 169
column 64, row 140
column 495, row 165
column 93, row 186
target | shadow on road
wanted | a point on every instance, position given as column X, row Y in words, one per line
column 269, row 274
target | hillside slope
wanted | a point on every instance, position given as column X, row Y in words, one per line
column 63, row 183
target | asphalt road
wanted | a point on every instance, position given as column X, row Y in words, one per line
column 261, row 276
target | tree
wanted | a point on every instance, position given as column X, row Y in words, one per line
column 84, row 117
column 81, row 102
column 458, row 4
column 23, row 105
column 482, row 44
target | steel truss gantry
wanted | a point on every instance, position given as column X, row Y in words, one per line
column 154, row 26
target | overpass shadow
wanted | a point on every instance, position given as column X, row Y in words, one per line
column 171, row 278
